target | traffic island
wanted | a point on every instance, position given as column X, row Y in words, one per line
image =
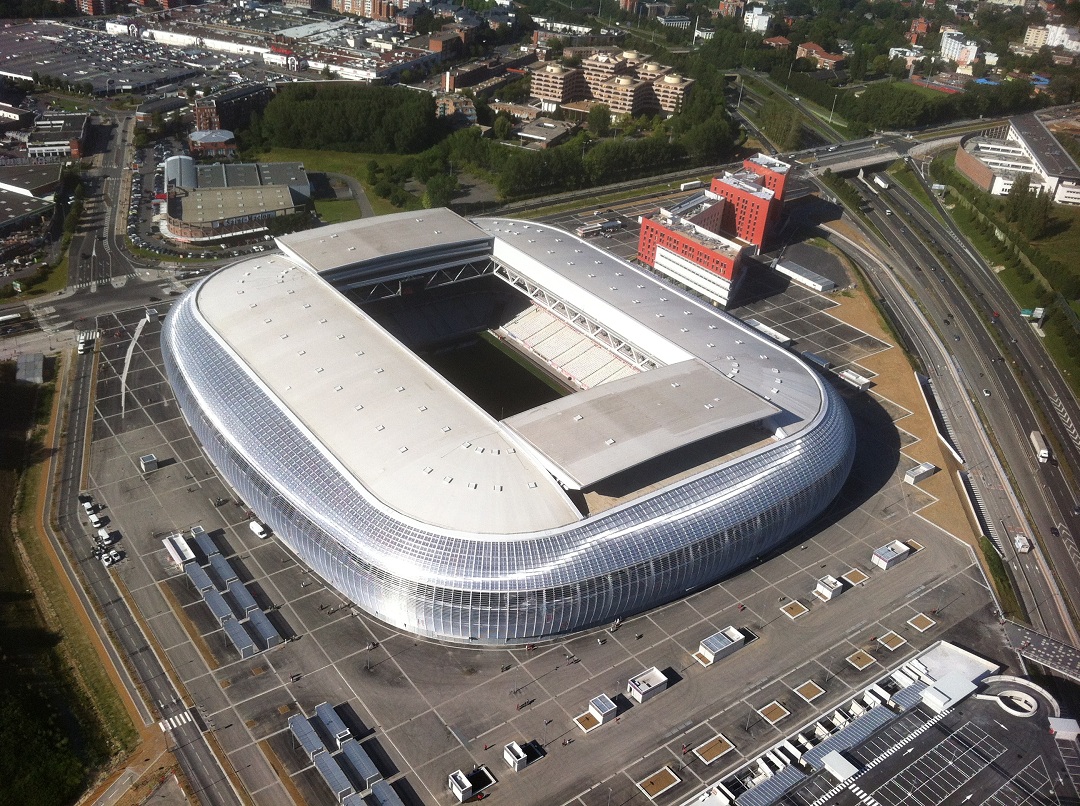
column 659, row 782
column 774, row 712
column 860, row 660
column 809, row 691
column 713, row 749
column 794, row 610
column 891, row 641
column 921, row 622
column 855, row 577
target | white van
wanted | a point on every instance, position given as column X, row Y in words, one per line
column 95, row 521
column 103, row 536
column 259, row 530
column 88, row 507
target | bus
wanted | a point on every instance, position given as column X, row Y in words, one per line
column 585, row 230
column 10, row 317
column 1042, row 452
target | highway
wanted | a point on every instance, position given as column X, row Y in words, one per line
column 984, row 353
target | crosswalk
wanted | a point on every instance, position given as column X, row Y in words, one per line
column 173, row 722
column 91, row 283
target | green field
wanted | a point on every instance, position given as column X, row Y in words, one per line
column 334, row 211
column 336, row 162
column 1063, row 245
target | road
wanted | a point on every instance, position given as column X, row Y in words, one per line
column 193, row 753
column 983, row 356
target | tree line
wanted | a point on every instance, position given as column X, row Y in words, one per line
column 347, row 117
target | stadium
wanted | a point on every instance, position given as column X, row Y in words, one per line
column 492, row 432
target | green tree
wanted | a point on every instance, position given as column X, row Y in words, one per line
column 1017, row 199
column 503, row 128
column 599, row 121
column 440, row 190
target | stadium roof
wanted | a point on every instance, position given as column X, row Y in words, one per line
column 416, row 444
column 595, row 434
column 331, row 248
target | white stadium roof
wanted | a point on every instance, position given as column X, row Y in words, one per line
column 419, row 446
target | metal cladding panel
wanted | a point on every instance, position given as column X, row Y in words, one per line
column 771, row 790
column 222, row 572
column 198, row 576
column 858, row 731
column 385, row 795
column 481, row 589
column 332, row 725
column 241, row 599
column 356, row 758
column 218, row 606
column 240, row 639
column 333, row 775
column 205, row 543
column 305, row 735
column 266, row 634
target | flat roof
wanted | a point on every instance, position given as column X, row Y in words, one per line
column 412, row 442
column 410, row 439
column 592, row 435
column 203, row 205
column 351, row 242
column 1045, row 147
column 15, row 206
column 31, row 178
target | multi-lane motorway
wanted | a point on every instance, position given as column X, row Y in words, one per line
column 996, row 360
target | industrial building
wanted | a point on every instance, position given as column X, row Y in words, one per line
column 222, row 201
column 684, row 444
column 58, row 135
column 993, row 163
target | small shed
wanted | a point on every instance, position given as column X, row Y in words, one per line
column 460, row 785
column 515, row 757
column 947, row 692
column 890, row 554
column 148, row 463
column 602, row 707
column 646, row 685
column 828, row 587
column 719, row 645
column 920, row 472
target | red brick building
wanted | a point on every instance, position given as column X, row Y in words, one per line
column 700, row 242
column 817, row 54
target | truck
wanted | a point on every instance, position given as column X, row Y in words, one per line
column 882, row 182
column 691, row 185
column 1023, row 545
column 10, row 317
column 1042, row 452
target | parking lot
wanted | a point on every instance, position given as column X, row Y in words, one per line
column 425, row 709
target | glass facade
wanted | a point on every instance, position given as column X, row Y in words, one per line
column 490, row 589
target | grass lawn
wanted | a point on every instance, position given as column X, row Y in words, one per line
column 56, row 281
column 334, row 211
column 1064, row 244
column 335, row 162
column 904, row 175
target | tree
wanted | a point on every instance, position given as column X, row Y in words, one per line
column 599, row 122
column 440, row 190
column 1016, row 199
column 503, row 128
